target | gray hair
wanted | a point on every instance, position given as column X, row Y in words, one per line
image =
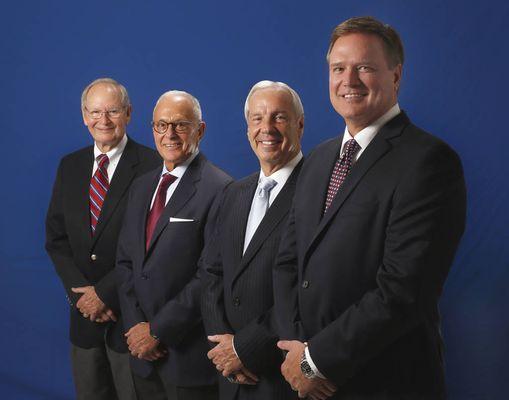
column 194, row 101
column 265, row 84
column 124, row 97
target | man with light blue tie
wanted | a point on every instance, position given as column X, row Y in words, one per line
column 237, row 298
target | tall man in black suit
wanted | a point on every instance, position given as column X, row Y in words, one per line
column 377, row 217
column 237, row 300
column 168, row 221
column 82, row 229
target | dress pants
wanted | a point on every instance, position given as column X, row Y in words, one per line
column 153, row 388
column 100, row 373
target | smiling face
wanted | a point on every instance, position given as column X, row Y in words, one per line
column 362, row 86
column 106, row 131
column 176, row 147
column 274, row 128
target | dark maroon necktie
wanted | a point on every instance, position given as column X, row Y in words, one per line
column 99, row 185
column 340, row 171
column 158, row 206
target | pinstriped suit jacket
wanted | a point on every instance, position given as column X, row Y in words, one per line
column 238, row 295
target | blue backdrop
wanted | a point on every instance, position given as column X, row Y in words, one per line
column 454, row 85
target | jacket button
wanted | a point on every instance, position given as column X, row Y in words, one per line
column 236, row 302
column 93, row 257
column 305, row 284
column 144, row 277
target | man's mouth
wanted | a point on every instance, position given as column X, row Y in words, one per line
column 172, row 145
column 352, row 96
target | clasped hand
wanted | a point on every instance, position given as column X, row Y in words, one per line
column 91, row 306
column 142, row 344
column 316, row 388
column 224, row 358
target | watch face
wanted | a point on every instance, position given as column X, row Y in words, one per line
column 306, row 369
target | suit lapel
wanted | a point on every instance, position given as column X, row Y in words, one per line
column 243, row 200
column 316, row 189
column 124, row 174
column 80, row 191
column 184, row 192
column 376, row 149
column 275, row 214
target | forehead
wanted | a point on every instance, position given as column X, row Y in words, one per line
column 359, row 46
column 103, row 94
column 175, row 106
column 271, row 98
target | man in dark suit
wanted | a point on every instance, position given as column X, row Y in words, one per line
column 377, row 217
column 168, row 221
column 82, row 227
column 237, row 299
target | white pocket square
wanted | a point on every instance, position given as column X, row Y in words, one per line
column 175, row 219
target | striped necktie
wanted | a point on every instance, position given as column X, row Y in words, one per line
column 99, row 185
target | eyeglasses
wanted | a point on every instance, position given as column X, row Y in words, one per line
column 113, row 114
column 178, row 126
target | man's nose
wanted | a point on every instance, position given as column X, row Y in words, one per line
column 351, row 77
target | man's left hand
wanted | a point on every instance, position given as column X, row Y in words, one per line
column 314, row 388
column 91, row 306
column 223, row 355
column 142, row 344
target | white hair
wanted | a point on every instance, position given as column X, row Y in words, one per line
column 265, row 84
column 124, row 97
column 194, row 101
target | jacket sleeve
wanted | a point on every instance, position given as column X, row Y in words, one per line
column 131, row 311
column 57, row 241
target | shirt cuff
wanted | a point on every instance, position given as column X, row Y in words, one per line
column 233, row 346
column 312, row 364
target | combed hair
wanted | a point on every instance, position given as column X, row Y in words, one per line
column 369, row 25
column 194, row 100
column 124, row 96
column 297, row 103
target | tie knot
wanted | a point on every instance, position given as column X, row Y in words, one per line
column 167, row 180
column 351, row 147
column 265, row 186
column 102, row 160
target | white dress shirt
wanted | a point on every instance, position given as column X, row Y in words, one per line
column 280, row 176
column 363, row 138
column 113, row 155
column 178, row 172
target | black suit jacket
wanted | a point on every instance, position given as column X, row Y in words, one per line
column 237, row 297
column 362, row 283
column 69, row 241
column 162, row 285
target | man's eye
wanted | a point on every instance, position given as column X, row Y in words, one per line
column 364, row 68
column 162, row 125
column 281, row 118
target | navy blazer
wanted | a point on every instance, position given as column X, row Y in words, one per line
column 162, row 285
column 362, row 283
column 70, row 244
column 237, row 296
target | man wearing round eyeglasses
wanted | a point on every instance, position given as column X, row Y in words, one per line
column 168, row 221
column 82, row 228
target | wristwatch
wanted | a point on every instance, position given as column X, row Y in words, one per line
column 306, row 369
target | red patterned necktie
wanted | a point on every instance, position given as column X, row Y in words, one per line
column 340, row 171
column 158, row 206
column 99, row 185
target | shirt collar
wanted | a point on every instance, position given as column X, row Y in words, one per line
column 115, row 153
column 282, row 175
column 366, row 135
column 180, row 169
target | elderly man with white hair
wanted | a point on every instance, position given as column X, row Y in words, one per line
column 167, row 223
column 237, row 299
